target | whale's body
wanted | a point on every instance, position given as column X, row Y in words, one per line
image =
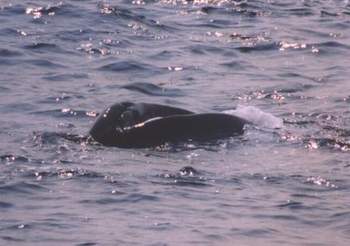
column 140, row 125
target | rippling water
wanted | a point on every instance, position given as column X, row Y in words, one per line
column 62, row 62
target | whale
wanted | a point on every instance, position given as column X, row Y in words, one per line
column 142, row 125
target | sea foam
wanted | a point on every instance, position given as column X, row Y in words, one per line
column 256, row 116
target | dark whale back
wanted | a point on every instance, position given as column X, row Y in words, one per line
column 141, row 125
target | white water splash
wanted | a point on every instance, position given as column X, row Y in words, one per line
column 256, row 116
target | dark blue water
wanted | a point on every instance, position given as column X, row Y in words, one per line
column 62, row 62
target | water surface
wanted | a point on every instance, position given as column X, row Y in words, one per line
column 62, row 62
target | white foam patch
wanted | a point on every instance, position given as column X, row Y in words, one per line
column 256, row 116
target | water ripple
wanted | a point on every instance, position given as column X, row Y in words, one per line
column 123, row 198
column 258, row 47
column 153, row 90
column 9, row 53
column 187, row 176
column 42, row 47
column 131, row 66
column 13, row 158
column 66, row 112
column 21, row 188
column 5, row 205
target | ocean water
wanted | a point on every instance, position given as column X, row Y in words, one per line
column 284, row 64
